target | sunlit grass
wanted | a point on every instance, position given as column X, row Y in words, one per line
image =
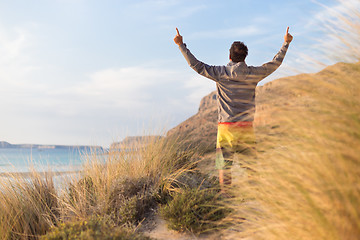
column 136, row 171
column 123, row 185
column 307, row 181
column 28, row 206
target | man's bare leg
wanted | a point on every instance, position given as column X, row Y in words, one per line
column 224, row 180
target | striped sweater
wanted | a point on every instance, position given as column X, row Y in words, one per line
column 235, row 83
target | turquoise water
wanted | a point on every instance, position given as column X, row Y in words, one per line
column 27, row 159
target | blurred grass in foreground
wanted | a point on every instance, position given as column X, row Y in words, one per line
column 307, row 181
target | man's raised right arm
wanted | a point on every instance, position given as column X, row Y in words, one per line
column 269, row 67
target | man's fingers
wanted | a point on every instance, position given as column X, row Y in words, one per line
column 177, row 30
column 287, row 31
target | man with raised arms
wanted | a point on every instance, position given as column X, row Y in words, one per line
column 235, row 83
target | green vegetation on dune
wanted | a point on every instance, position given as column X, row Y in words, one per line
column 195, row 210
column 92, row 229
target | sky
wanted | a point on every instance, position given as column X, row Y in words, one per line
column 78, row 72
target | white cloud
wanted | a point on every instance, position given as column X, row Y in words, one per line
column 338, row 24
column 125, row 87
column 157, row 3
column 168, row 10
column 199, row 87
column 331, row 13
column 12, row 43
column 227, row 33
column 183, row 13
column 14, row 62
column 324, row 38
column 110, row 99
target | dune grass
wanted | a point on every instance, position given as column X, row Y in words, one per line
column 136, row 175
column 308, row 169
column 116, row 190
column 28, row 206
column 307, row 181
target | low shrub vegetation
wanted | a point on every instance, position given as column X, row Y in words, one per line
column 131, row 200
column 194, row 210
column 92, row 229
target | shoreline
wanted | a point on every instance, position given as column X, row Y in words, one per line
column 36, row 173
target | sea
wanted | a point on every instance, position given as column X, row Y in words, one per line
column 60, row 162
column 23, row 160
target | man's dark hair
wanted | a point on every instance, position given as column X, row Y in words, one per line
column 238, row 51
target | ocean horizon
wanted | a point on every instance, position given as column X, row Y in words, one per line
column 25, row 160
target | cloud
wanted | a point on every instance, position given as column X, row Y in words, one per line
column 12, row 43
column 198, row 87
column 331, row 13
column 227, row 33
column 183, row 13
column 339, row 40
column 11, row 48
column 123, row 87
column 157, row 3
column 165, row 11
column 107, row 100
column 14, row 62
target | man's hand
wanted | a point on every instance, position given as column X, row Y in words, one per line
column 288, row 38
column 178, row 39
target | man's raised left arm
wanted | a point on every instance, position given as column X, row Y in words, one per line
column 211, row 72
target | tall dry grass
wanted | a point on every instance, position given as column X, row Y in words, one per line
column 307, row 181
column 28, row 206
column 341, row 28
column 126, row 183
column 122, row 185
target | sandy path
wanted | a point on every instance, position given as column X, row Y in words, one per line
column 161, row 232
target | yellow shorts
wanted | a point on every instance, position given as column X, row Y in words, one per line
column 233, row 137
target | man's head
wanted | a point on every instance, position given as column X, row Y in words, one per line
column 238, row 52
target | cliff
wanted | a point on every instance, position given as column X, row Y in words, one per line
column 134, row 142
column 199, row 130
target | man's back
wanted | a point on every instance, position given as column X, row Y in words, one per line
column 236, row 83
